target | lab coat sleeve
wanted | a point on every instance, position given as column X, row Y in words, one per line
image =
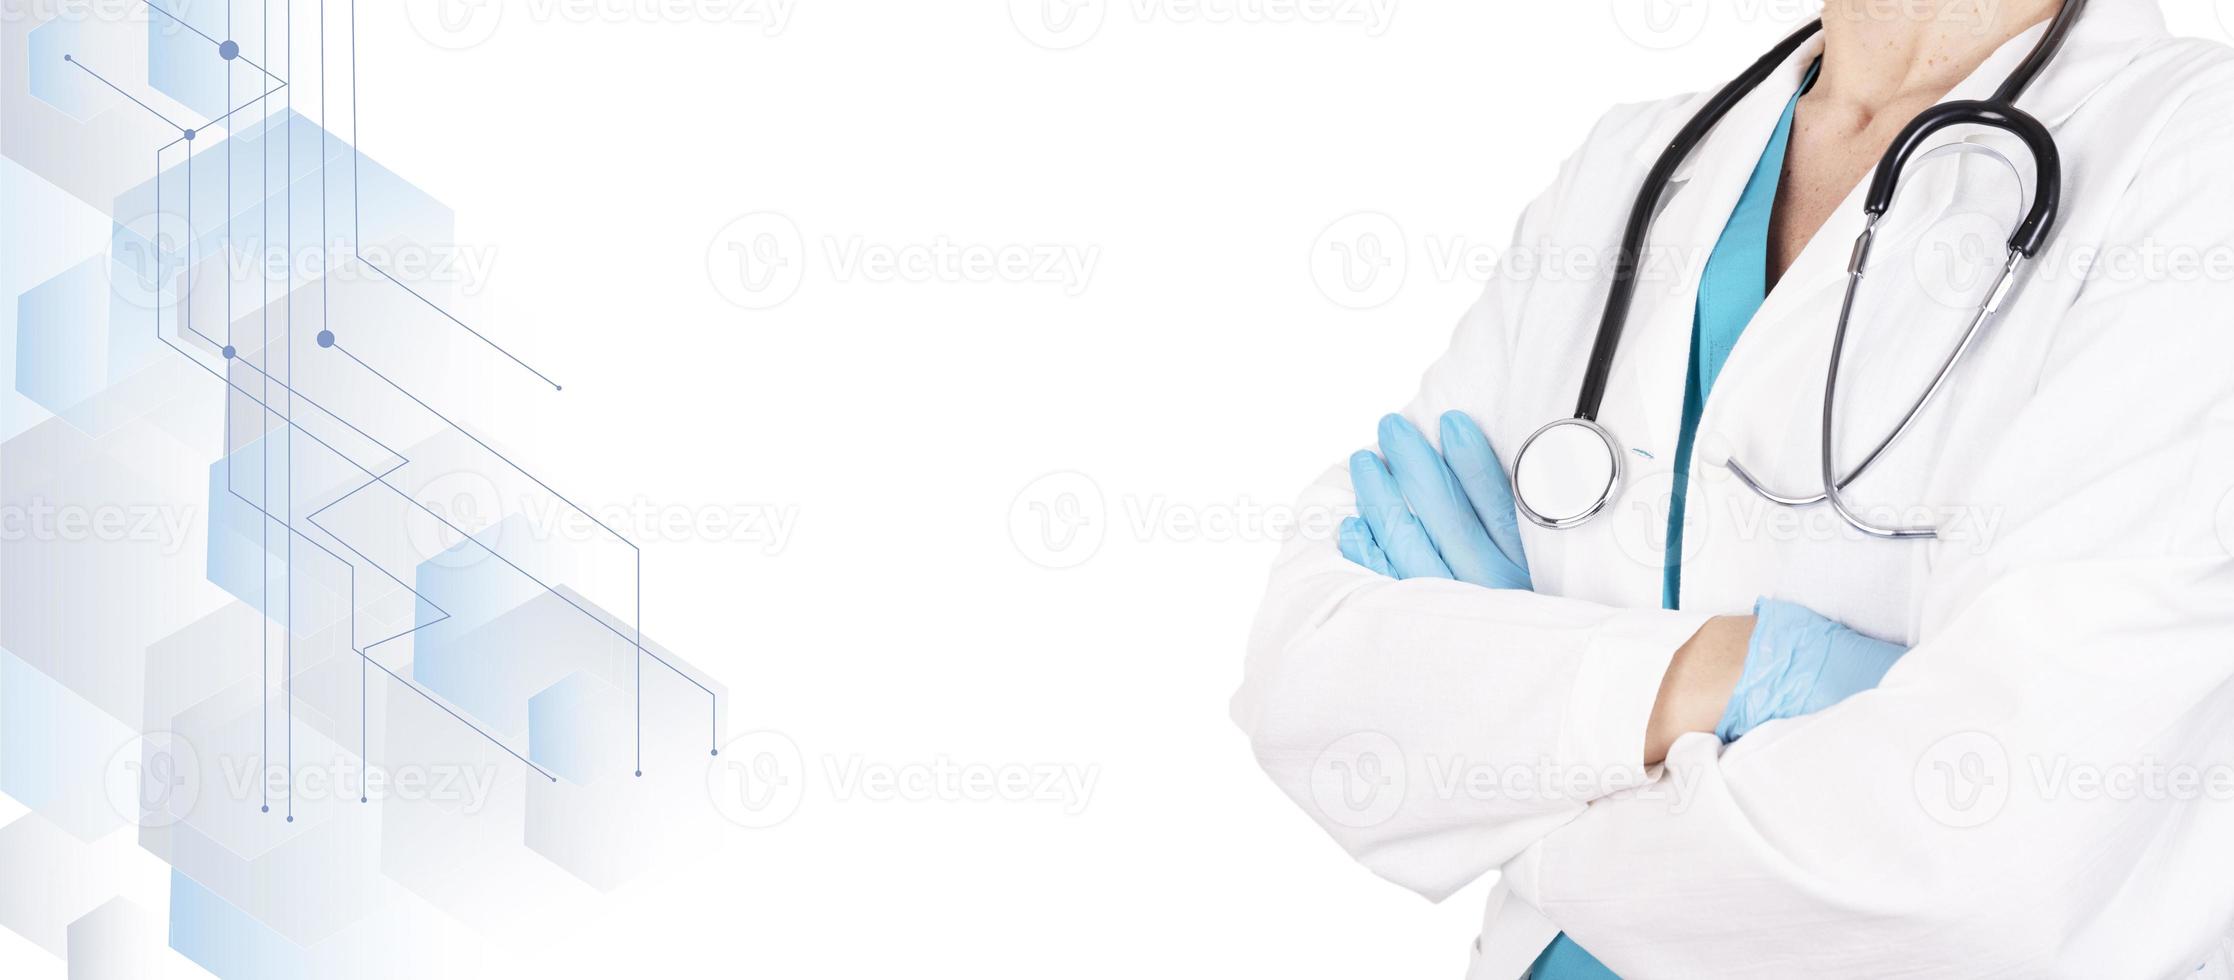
column 2044, row 786
column 1435, row 728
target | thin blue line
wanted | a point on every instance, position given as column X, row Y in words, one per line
column 356, row 155
column 212, row 40
column 292, row 427
column 329, row 413
column 364, row 652
column 187, row 314
column 263, row 418
column 431, row 699
column 432, row 622
column 135, row 99
column 227, row 441
column 492, row 449
column 312, row 519
column 555, row 386
column 288, row 647
column 462, row 533
column 191, row 359
column 275, row 89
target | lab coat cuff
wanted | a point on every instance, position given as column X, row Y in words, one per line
column 1616, row 688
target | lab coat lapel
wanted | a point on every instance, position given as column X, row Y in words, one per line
column 1656, row 346
column 1782, row 352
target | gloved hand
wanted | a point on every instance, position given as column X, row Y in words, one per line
column 1424, row 514
column 1799, row 663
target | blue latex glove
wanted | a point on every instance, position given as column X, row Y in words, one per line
column 1799, row 663
column 1424, row 514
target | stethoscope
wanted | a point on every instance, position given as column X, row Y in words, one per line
column 1567, row 472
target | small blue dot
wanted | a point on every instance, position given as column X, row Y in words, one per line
column 364, row 799
column 325, row 338
column 714, row 752
column 290, row 818
column 230, row 352
column 639, row 772
column 189, row 134
column 68, row 58
column 267, row 809
column 228, row 50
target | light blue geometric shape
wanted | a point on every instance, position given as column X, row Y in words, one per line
column 280, row 164
column 183, row 64
column 71, row 347
column 59, row 83
column 506, row 637
column 607, row 824
column 61, row 338
column 247, row 541
column 46, row 231
column 571, row 727
column 55, row 747
column 497, row 666
column 28, row 771
column 226, row 940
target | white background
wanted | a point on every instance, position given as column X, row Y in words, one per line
column 1200, row 374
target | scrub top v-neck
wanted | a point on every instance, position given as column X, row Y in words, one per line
column 1732, row 289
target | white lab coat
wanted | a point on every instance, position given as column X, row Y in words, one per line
column 2043, row 787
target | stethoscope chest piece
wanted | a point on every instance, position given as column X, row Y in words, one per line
column 1570, row 470
column 1566, row 473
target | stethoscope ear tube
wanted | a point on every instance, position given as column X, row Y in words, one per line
column 1629, row 263
column 2039, row 221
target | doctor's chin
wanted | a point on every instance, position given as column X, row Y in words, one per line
column 1836, row 580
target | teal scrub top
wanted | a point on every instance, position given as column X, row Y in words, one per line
column 1731, row 290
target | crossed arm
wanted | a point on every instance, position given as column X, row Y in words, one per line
column 1956, row 816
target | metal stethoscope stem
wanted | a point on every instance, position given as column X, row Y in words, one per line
column 1591, row 462
column 1835, row 484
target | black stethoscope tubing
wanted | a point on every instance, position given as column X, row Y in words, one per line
column 1998, row 112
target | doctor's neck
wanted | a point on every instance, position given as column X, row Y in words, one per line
column 1880, row 54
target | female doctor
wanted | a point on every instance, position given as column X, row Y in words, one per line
column 1705, row 732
